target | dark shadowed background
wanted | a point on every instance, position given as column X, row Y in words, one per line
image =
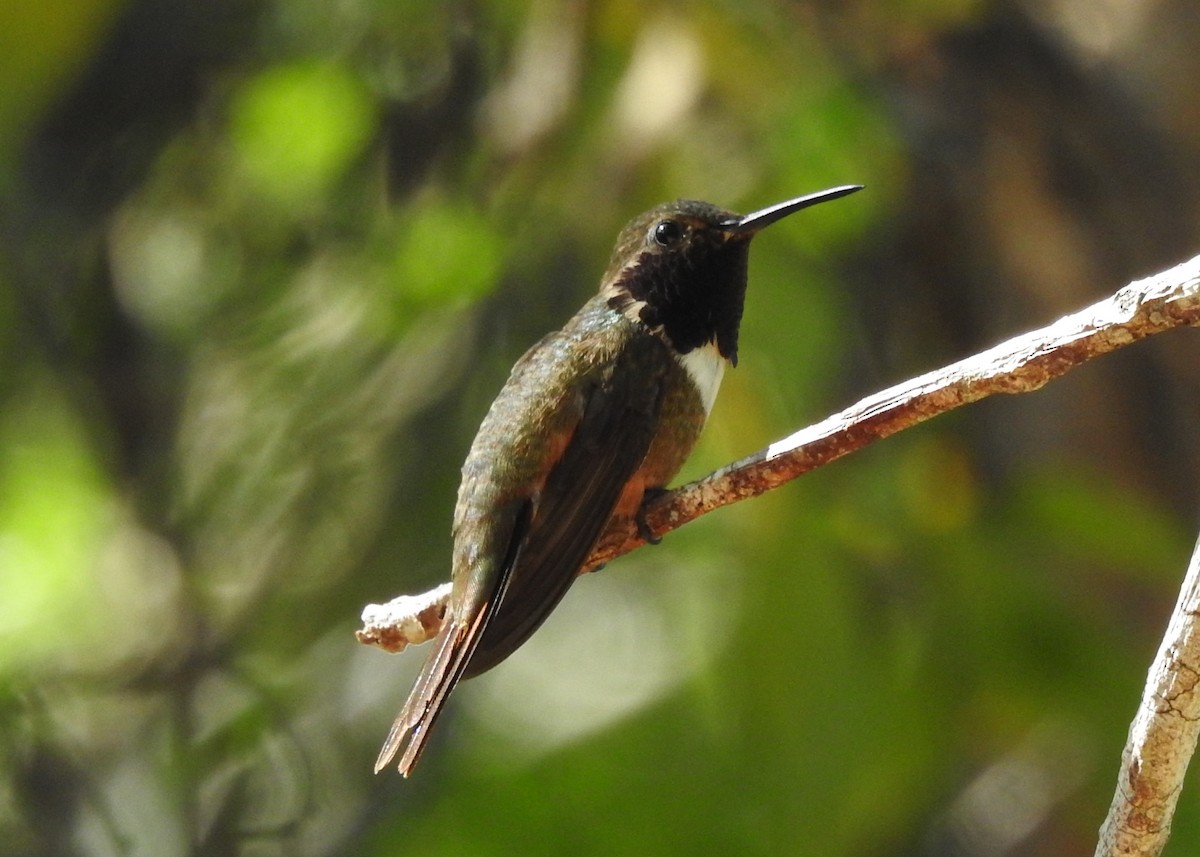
column 264, row 263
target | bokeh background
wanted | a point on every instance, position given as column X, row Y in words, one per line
column 264, row 263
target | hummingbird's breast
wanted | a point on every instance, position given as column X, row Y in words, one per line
column 706, row 367
column 689, row 387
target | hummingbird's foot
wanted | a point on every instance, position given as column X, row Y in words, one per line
column 643, row 527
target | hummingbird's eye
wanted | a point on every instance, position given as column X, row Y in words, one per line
column 667, row 232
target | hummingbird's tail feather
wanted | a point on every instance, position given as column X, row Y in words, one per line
column 453, row 648
column 411, row 728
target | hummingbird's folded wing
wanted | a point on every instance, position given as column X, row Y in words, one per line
column 576, row 501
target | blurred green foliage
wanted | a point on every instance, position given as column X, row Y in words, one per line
column 263, row 265
column 297, row 127
column 54, row 512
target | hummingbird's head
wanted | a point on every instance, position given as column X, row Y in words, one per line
column 680, row 269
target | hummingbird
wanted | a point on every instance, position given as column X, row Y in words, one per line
column 593, row 418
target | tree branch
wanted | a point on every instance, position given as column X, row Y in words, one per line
column 1162, row 738
column 1020, row 365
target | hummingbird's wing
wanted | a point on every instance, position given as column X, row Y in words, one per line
column 619, row 421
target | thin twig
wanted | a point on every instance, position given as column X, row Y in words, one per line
column 1020, row 365
column 1162, row 738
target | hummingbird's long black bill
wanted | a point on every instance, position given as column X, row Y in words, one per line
column 753, row 222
